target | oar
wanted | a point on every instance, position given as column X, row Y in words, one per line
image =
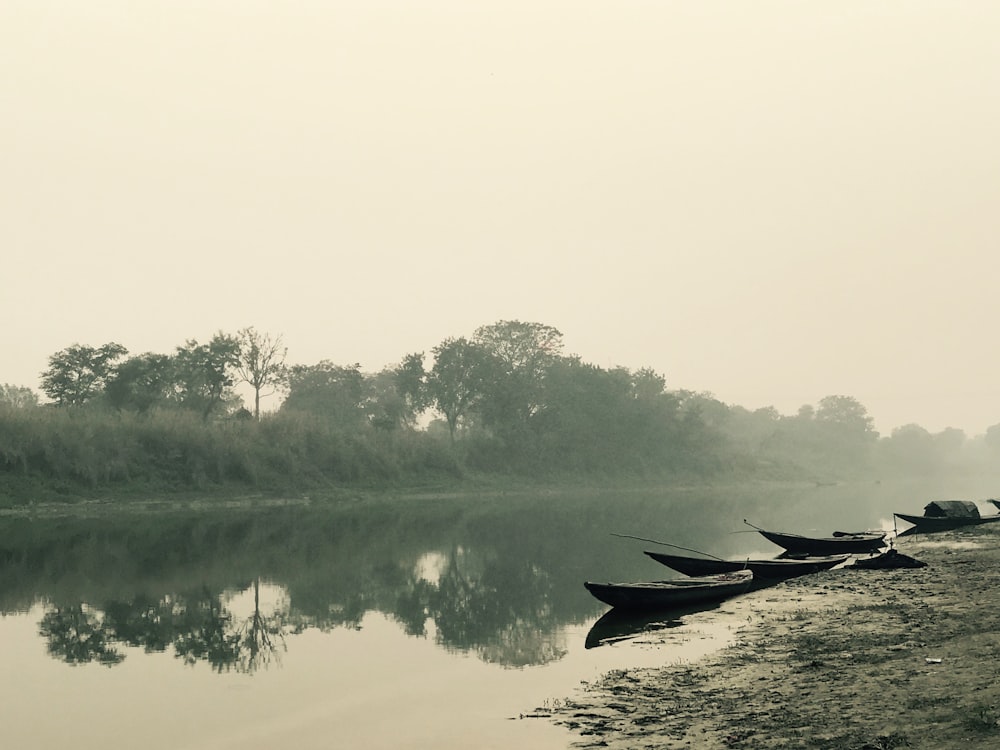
column 666, row 544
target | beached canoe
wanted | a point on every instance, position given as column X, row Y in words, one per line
column 927, row 524
column 945, row 515
column 842, row 542
column 779, row 568
column 655, row 595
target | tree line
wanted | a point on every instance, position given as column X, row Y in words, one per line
column 506, row 400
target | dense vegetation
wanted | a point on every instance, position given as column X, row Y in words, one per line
column 505, row 403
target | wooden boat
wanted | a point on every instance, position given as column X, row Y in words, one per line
column 842, row 542
column 665, row 594
column 779, row 568
column 944, row 515
column 925, row 524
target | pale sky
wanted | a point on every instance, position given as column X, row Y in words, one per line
column 772, row 201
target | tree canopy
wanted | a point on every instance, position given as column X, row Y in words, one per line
column 79, row 373
column 510, row 398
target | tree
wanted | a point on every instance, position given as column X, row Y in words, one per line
column 521, row 347
column 332, row 391
column 585, row 423
column 455, row 382
column 411, row 381
column 202, row 371
column 78, row 373
column 846, row 430
column 17, row 396
column 519, row 355
column 385, row 404
column 949, row 441
column 992, row 437
column 847, row 414
column 141, row 383
column 647, row 384
column 260, row 363
column 910, row 449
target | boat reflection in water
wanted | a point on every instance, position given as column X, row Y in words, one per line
column 617, row 625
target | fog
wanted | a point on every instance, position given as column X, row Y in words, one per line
column 772, row 202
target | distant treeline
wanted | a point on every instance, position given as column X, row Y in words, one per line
column 506, row 402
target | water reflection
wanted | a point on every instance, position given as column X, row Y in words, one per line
column 497, row 609
column 233, row 588
column 78, row 635
column 618, row 625
column 197, row 626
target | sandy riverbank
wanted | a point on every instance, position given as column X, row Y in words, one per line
column 842, row 660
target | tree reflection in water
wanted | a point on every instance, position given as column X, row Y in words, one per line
column 142, row 622
column 203, row 633
column 261, row 639
column 77, row 635
column 497, row 607
column 499, row 581
column 197, row 626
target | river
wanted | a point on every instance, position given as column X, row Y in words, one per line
column 424, row 622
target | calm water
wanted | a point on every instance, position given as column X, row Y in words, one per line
column 423, row 624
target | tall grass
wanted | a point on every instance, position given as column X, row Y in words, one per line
column 83, row 452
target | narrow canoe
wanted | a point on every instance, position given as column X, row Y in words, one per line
column 655, row 595
column 838, row 544
column 772, row 569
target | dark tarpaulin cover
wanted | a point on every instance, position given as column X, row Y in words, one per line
column 951, row 509
column 889, row 559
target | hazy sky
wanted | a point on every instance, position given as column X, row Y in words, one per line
column 770, row 201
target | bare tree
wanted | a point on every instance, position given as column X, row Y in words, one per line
column 261, row 363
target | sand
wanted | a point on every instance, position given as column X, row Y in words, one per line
column 846, row 659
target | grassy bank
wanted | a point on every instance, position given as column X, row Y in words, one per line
column 69, row 455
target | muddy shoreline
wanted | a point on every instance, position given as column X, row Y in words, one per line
column 846, row 659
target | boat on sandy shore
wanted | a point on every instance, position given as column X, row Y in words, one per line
column 945, row 515
column 842, row 542
column 776, row 569
column 655, row 595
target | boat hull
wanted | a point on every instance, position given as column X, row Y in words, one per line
column 833, row 545
column 770, row 569
column 656, row 595
column 927, row 524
